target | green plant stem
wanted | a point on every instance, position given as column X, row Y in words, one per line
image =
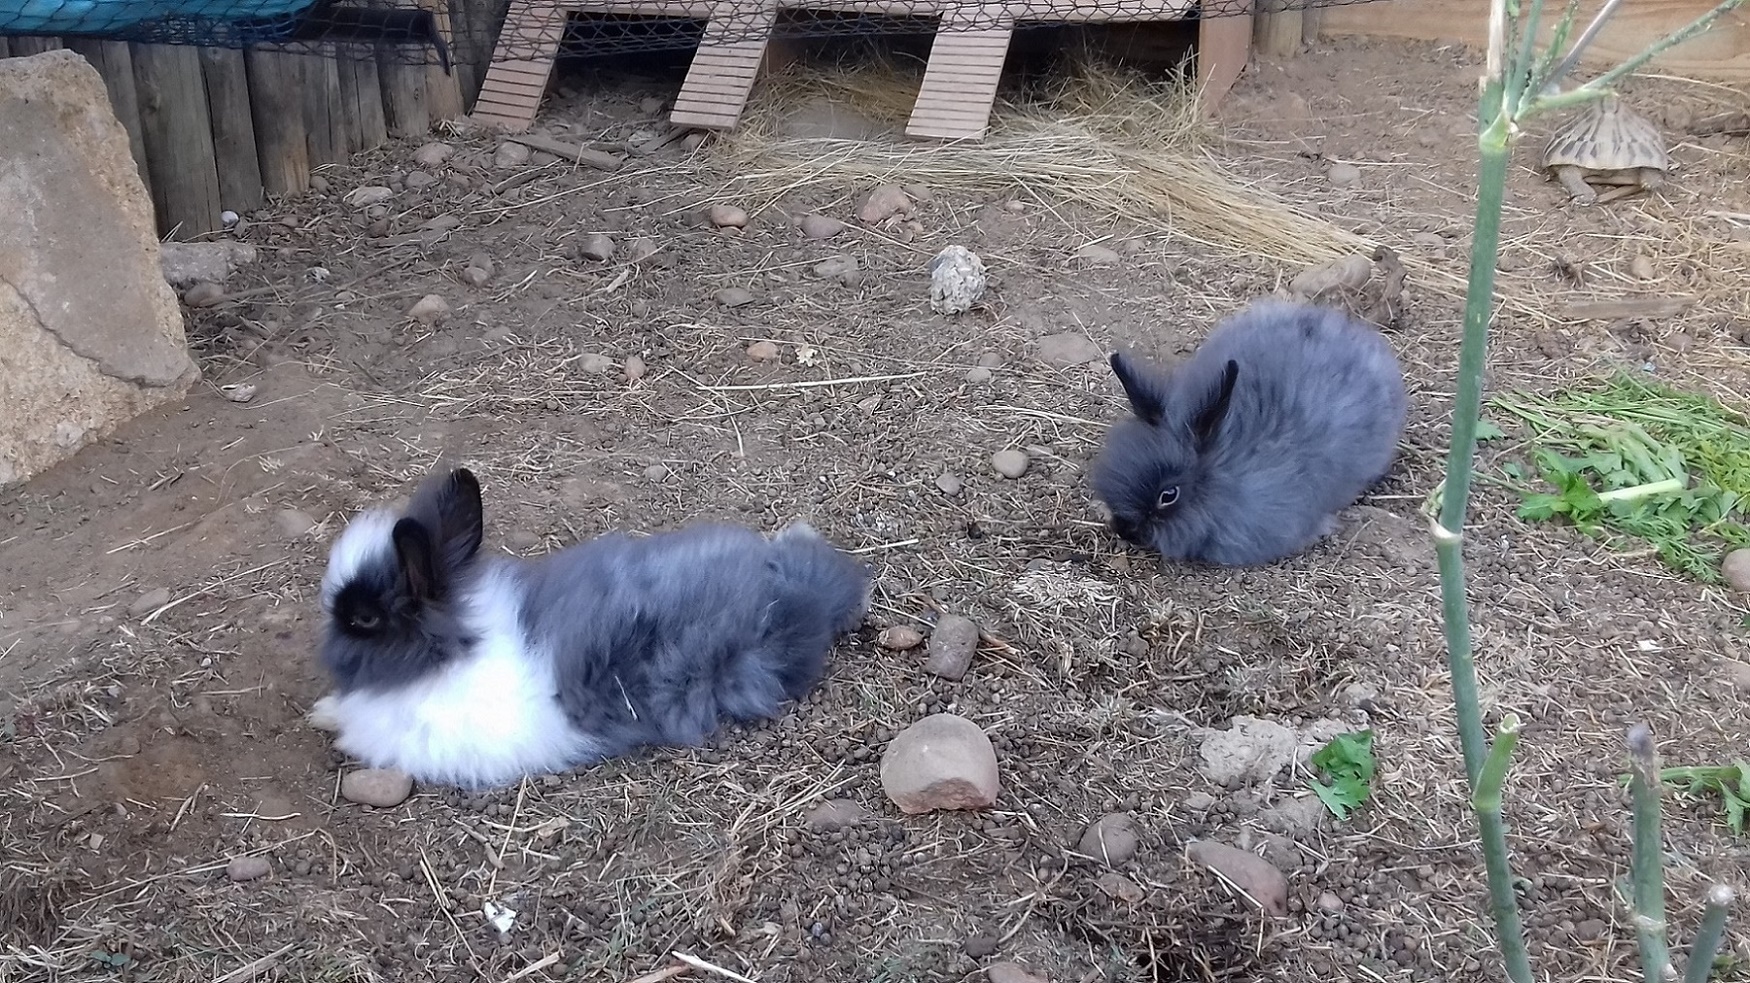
column 1603, row 83
column 1648, row 868
column 1486, row 802
column 1708, row 935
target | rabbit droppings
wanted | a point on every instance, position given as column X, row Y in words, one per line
column 1244, row 453
column 477, row 670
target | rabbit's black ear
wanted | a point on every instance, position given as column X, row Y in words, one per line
column 1208, row 419
column 418, row 557
column 449, row 509
column 1146, row 398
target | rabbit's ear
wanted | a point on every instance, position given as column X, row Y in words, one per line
column 1147, row 400
column 1215, row 406
column 418, row 557
column 449, row 508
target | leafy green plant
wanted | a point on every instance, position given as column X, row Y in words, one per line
column 1348, row 762
column 1730, row 782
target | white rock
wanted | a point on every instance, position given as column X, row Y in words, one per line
column 379, row 787
column 370, row 194
column 433, row 154
column 1097, row 255
column 941, row 762
column 596, row 364
column 957, row 280
column 510, row 154
column 1343, row 175
column 187, row 263
column 726, row 216
column 429, row 309
column 1010, row 462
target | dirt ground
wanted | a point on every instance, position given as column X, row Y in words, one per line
column 159, row 616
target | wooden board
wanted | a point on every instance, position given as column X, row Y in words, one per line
column 511, row 94
column 115, row 64
column 960, row 82
column 1723, row 53
column 324, row 123
column 443, row 90
column 178, row 136
column 24, row 47
column 723, row 69
column 403, row 85
column 1224, row 45
column 281, row 145
column 233, row 117
column 361, row 97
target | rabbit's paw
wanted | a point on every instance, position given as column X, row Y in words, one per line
column 325, row 714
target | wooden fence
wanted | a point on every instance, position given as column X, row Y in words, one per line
column 218, row 129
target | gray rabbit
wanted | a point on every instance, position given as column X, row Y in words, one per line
column 1244, row 453
column 477, row 670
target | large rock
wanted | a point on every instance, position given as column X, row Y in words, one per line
column 941, row 762
column 90, row 333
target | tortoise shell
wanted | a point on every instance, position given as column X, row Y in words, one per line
column 1607, row 136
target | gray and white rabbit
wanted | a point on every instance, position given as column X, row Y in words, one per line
column 1243, row 453
column 475, row 670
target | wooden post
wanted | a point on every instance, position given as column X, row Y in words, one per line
column 282, row 150
column 115, row 63
column 240, row 187
column 24, row 47
column 1276, row 29
column 404, row 109
column 324, row 121
column 5, row 47
column 1309, row 23
column 1224, row 45
column 178, row 135
column 443, row 92
column 361, row 92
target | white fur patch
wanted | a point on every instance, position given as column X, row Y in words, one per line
column 484, row 720
column 368, row 537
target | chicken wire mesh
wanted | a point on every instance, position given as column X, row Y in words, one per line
column 432, row 31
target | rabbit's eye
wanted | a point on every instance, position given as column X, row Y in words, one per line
column 366, row 621
column 1168, row 497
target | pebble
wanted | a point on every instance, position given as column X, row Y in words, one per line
column 1097, row 255
column 634, row 369
column 836, row 814
column 150, row 601
column 978, row 375
column 247, row 868
column 640, row 249
column 762, row 351
column 949, row 483
column 597, row 364
column 1342, row 175
column 1739, row 673
column 1254, row 875
column 1199, row 802
column 940, row 762
column 952, row 645
column 365, row 197
column 1067, row 348
column 1118, row 887
column 1736, row 569
column 596, row 246
column 990, row 360
column 510, row 154
column 979, row 946
column 821, row 226
column 429, row 309
column 1641, row 267
column 841, row 268
column 203, row 294
column 884, row 203
column 419, row 179
column 1329, row 903
column 433, row 154
column 319, row 184
column 1111, row 839
column 734, row 296
column 656, row 472
column 896, row 638
column 379, row 787
column 294, row 523
column 1010, row 462
column 1011, row 973
column 726, row 216
column 474, row 276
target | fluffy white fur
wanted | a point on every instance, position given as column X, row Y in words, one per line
column 482, row 721
column 369, row 536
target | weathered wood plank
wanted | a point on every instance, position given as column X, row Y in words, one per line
column 361, row 91
column 178, row 135
column 282, row 147
column 234, row 145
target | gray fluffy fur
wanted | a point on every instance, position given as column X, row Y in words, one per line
column 1244, row 453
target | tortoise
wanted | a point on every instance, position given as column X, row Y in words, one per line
column 1608, row 144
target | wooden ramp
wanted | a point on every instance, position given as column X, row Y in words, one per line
column 960, row 81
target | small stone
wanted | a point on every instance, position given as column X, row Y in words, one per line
column 841, row 268
column 762, row 351
column 949, row 483
column 990, row 360
column 203, row 294
column 510, row 154
column 474, row 276
column 1590, row 930
column 978, row 375
column 979, row 946
column 247, row 868
column 1254, row 875
column 1010, row 462
column 1011, row 973
column 895, row 638
column 419, row 179
column 640, row 249
column 429, row 309
column 150, row 601
column 1118, row 887
column 379, row 787
column 1344, row 273
column 1641, row 267
column 1342, row 175
column 734, row 297
column 1329, row 903
column 836, row 814
column 726, row 216
column 656, row 472
column 433, row 154
column 596, row 247
column 634, row 369
column 1199, row 802
column 1111, row 839
column 1096, row 255
column 1295, row 816
column 940, row 762
column 821, row 226
column 953, row 642
column 1735, row 568
column 293, row 523
column 365, row 197
column 884, row 203
column 596, row 364
column 1066, row 349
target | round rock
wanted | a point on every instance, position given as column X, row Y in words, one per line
column 821, row 226
column 247, row 868
column 896, row 638
column 1254, row 875
column 429, row 309
column 762, row 351
column 978, row 375
column 941, row 762
column 949, row 483
column 1111, row 839
column 726, row 216
column 1010, row 462
column 203, row 294
column 1736, row 569
column 734, row 296
column 1342, row 175
column 379, row 787
column 952, row 645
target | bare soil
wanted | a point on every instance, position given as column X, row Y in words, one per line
column 159, row 617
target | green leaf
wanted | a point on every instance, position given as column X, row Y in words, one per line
column 1488, row 431
column 1349, row 764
